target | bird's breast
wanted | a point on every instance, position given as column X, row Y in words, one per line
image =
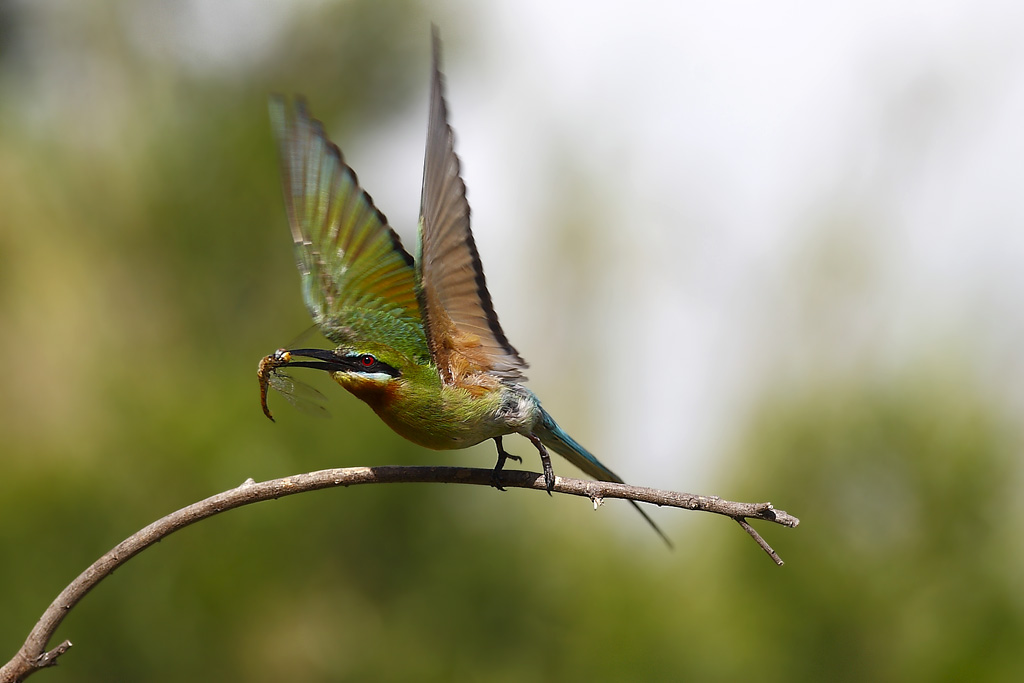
column 453, row 417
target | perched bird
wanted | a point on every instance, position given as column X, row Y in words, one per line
column 417, row 339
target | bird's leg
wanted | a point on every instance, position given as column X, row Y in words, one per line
column 502, row 457
column 545, row 460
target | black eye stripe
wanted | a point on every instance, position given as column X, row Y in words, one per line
column 366, row 363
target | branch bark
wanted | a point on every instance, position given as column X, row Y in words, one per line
column 33, row 655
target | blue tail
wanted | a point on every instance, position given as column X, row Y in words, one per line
column 555, row 438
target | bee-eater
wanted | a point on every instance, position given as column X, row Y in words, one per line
column 417, row 339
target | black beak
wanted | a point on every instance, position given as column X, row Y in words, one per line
column 328, row 360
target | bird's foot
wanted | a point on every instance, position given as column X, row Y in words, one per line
column 545, row 461
column 500, row 464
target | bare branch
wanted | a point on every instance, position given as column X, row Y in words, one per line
column 33, row 655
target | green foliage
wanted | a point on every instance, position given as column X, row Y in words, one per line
column 904, row 572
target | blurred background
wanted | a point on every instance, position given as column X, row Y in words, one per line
column 766, row 251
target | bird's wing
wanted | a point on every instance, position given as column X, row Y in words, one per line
column 357, row 279
column 462, row 328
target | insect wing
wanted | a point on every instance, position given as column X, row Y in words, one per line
column 301, row 395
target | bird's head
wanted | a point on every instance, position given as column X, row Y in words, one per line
column 371, row 371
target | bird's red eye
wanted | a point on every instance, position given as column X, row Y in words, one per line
column 366, row 360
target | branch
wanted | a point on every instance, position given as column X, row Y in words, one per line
column 33, row 655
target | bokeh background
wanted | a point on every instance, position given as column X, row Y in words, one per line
column 770, row 251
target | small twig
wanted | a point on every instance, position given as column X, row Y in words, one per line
column 33, row 655
column 50, row 658
column 760, row 541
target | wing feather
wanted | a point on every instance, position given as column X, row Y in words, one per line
column 358, row 281
column 463, row 331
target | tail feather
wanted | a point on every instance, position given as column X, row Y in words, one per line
column 555, row 438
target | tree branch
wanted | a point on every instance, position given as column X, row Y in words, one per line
column 33, row 655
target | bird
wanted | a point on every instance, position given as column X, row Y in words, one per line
column 417, row 339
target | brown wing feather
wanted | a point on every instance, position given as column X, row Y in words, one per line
column 462, row 328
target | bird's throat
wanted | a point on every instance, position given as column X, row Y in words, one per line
column 378, row 394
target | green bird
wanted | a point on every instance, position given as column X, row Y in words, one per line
column 417, row 339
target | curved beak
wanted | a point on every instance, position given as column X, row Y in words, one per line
column 328, row 360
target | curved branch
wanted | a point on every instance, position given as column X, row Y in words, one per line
column 33, row 655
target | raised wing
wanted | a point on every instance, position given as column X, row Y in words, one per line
column 462, row 328
column 357, row 279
